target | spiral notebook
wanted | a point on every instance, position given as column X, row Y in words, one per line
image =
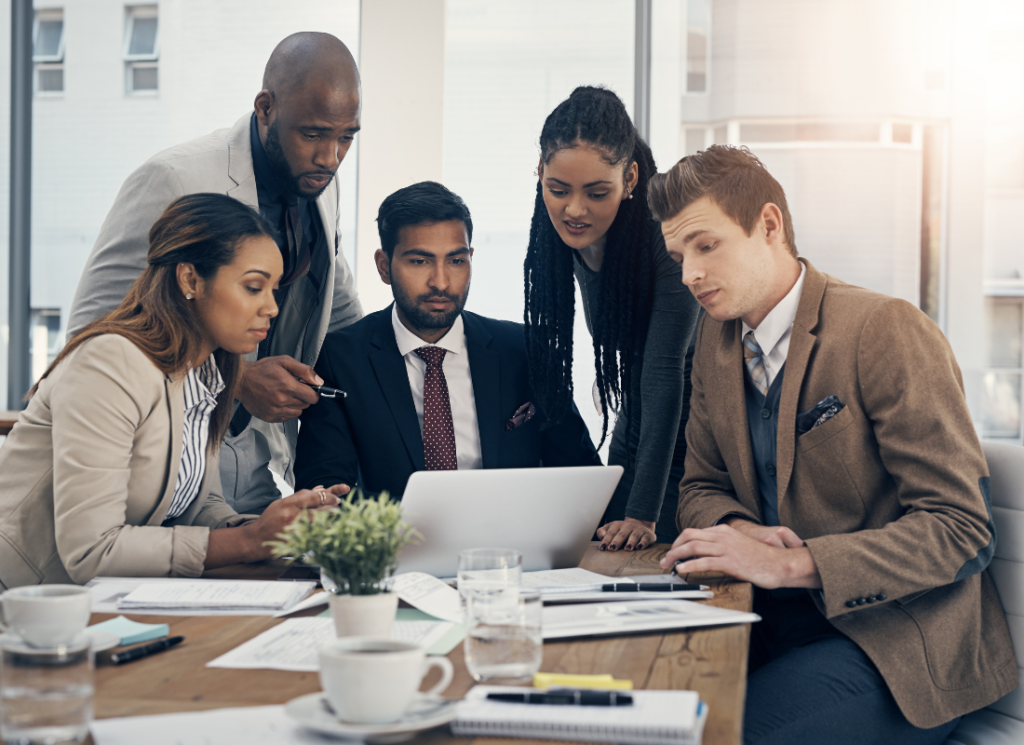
column 655, row 718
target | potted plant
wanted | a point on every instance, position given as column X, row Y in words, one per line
column 356, row 546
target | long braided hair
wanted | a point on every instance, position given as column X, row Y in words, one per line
column 597, row 118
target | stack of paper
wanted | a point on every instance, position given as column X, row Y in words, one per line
column 598, row 619
column 132, row 632
column 655, row 718
column 215, row 595
column 583, row 586
column 253, row 725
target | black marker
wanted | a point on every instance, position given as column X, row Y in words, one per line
column 144, row 650
column 566, row 698
column 650, row 587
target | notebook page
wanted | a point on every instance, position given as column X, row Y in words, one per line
column 215, row 594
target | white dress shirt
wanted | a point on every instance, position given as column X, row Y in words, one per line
column 774, row 332
column 201, row 387
column 460, row 385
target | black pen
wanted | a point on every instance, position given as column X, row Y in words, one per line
column 144, row 650
column 566, row 698
column 325, row 391
column 650, row 587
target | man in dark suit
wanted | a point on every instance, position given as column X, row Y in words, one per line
column 832, row 462
column 430, row 386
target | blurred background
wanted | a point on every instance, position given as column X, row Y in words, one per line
column 896, row 128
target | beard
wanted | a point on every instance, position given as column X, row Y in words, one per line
column 283, row 172
column 424, row 319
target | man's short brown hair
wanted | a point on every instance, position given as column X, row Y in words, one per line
column 734, row 179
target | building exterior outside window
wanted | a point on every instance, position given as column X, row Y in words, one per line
column 698, row 45
column 141, row 50
column 48, row 52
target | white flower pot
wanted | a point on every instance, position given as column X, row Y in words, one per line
column 363, row 615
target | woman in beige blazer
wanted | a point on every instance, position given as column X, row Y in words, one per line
column 107, row 472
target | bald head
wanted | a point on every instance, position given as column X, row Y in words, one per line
column 308, row 111
column 310, row 58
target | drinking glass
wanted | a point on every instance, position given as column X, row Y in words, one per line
column 504, row 640
column 488, row 569
column 46, row 695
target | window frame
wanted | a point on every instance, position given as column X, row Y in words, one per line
column 1018, row 301
column 685, row 72
column 48, row 14
column 133, row 13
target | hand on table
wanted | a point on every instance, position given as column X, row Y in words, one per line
column 732, row 551
column 280, row 513
column 631, row 534
column 778, row 536
column 270, row 391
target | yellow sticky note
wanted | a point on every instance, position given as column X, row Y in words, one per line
column 599, row 682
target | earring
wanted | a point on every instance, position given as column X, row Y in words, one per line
column 189, row 296
column 629, row 193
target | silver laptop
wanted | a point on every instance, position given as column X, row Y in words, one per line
column 549, row 514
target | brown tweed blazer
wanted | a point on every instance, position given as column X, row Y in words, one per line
column 890, row 495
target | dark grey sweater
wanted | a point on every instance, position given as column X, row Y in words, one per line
column 652, row 445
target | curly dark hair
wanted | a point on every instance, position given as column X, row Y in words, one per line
column 597, row 118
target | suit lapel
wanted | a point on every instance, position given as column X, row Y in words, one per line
column 731, row 396
column 240, row 164
column 801, row 345
column 389, row 367
column 175, row 397
column 485, row 370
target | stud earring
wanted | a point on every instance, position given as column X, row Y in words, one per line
column 189, row 296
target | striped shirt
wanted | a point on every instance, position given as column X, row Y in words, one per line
column 201, row 387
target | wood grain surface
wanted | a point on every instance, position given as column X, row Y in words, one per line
column 711, row 661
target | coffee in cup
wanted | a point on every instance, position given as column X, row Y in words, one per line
column 46, row 615
column 372, row 681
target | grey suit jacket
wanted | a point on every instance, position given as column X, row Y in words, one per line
column 89, row 472
column 220, row 162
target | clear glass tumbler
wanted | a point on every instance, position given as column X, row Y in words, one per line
column 504, row 639
column 46, row 695
column 488, row 569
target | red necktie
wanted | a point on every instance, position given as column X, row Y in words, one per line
column 438, row 430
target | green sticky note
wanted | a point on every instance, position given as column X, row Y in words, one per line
column 133, row 632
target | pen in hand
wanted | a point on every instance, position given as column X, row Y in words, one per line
column 325, row 391
column 144, row 650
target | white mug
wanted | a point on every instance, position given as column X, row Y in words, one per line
column 46, row 615
column 372, row 681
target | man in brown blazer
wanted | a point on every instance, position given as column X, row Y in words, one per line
column 832, row 462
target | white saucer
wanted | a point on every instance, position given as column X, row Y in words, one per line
column 425, row 712
column 101, row 640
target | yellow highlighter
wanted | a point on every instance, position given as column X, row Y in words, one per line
column 599, row 682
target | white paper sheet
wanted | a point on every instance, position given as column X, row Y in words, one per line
column 429, row 594
column 216, row 595
column 253, row 725
column 107, row 591
column 599, row 619
column 311, row 601
column 295, row 644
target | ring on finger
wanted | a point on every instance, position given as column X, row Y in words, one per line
column 323, row 497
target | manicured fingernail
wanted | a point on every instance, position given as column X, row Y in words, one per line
column 318, row 379
column 629, row 546
column 603, row 547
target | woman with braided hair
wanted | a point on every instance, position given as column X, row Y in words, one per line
column 591, row 222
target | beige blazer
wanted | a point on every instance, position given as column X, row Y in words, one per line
column 88, row 474
column 219, row 162
column 891, row 495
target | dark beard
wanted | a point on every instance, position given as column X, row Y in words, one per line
column 425, row 320
column 282, row 171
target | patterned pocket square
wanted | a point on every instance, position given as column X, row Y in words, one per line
column 821, row 413
column 523, row 414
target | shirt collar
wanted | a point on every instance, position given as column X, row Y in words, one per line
column 454, row 341
column 780, row 319
column 261, row 167
column 205, row 383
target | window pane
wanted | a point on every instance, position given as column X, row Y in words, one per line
column 144, row 78
column 143, row 39
column 50, row 80
column 698, row 27
column 48, row 39
column 1006, row 329
column 694, row 140
column 1001, row 405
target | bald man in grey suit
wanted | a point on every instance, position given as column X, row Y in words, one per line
column 280, row 159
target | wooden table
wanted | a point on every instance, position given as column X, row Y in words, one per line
column 7, row 420
column 712, row 661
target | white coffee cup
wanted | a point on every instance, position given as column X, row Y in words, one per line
column 373, row 681
column 46, row 615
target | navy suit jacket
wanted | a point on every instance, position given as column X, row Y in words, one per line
column 373, row 436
